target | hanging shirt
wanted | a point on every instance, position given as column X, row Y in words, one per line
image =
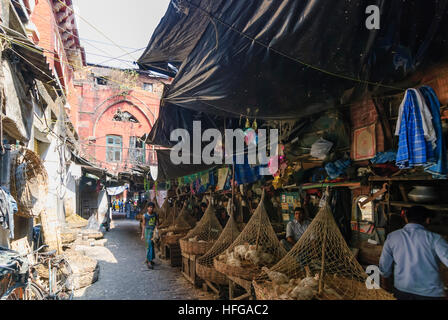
column 413, row 149
column 414, row 254
column 429, row 131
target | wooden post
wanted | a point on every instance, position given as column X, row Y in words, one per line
column 259, row 224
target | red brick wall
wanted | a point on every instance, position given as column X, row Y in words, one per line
column 49, row 39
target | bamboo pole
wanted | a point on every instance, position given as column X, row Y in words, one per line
column 321, row 277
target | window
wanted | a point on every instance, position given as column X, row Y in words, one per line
column 101, row 81
column 148, row 87
column 113, row 148
column 124, row 116
column 136, row 150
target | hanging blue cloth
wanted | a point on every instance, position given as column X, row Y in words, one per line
column 413, row 149
column 440, row 169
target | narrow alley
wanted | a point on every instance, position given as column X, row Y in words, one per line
column 124, row 275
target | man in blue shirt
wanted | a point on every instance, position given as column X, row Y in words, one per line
column 150, row 222
column 414, row 255
column 295, row 228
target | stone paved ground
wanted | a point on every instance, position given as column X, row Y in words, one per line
column 124, row 276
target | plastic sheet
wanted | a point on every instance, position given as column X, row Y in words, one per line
column 286, row 58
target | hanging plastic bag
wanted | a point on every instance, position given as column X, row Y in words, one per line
column 321, row 148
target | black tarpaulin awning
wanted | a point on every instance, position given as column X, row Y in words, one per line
column 167, row 170
column 279, row 59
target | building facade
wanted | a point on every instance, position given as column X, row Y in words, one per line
column 115, row 109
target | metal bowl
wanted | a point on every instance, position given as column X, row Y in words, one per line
column 423, row 194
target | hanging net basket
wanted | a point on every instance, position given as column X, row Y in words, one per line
column 163, row 211
column 170, row 216
column 204, row 265
column 178, row 229
column 29, row 183
column 201, row 238
column 257, row 246
column 320, row 266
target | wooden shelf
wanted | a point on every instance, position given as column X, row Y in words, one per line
column 307, row 186
column 404, row 178
column 404, row 204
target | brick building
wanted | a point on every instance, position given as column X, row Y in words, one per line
column 115, row 108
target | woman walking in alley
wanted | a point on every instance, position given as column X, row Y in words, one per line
column 150, row 222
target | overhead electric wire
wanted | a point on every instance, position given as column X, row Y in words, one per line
column 68, row 49
column 76, row 36
column 116, row 58
column 95, row 28
column 26, row 45
column 109, row 44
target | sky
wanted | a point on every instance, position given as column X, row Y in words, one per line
column 128, row 23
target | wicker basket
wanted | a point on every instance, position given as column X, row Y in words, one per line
column 261, row 293
column 172, row 239
column 175, row 230
column 195, row 247
column 29, row 183
column 247, row 272
column 210, row 274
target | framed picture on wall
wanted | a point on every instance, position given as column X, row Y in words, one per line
column 364, row 143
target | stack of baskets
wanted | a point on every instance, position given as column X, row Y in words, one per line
column 200, row 239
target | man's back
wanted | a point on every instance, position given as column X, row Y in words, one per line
column 415, row 254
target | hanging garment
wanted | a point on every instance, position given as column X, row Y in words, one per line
column 440, row 169
column 413, row 148
column 8, row 207
column 425, row 114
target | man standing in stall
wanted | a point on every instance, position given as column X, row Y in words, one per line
column 414, row 254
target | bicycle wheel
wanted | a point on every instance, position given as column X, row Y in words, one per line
column 33, row 292
column 22, row 292
column 15, row 293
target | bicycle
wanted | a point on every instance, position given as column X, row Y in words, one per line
column 57, row 284
column 15, row 278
